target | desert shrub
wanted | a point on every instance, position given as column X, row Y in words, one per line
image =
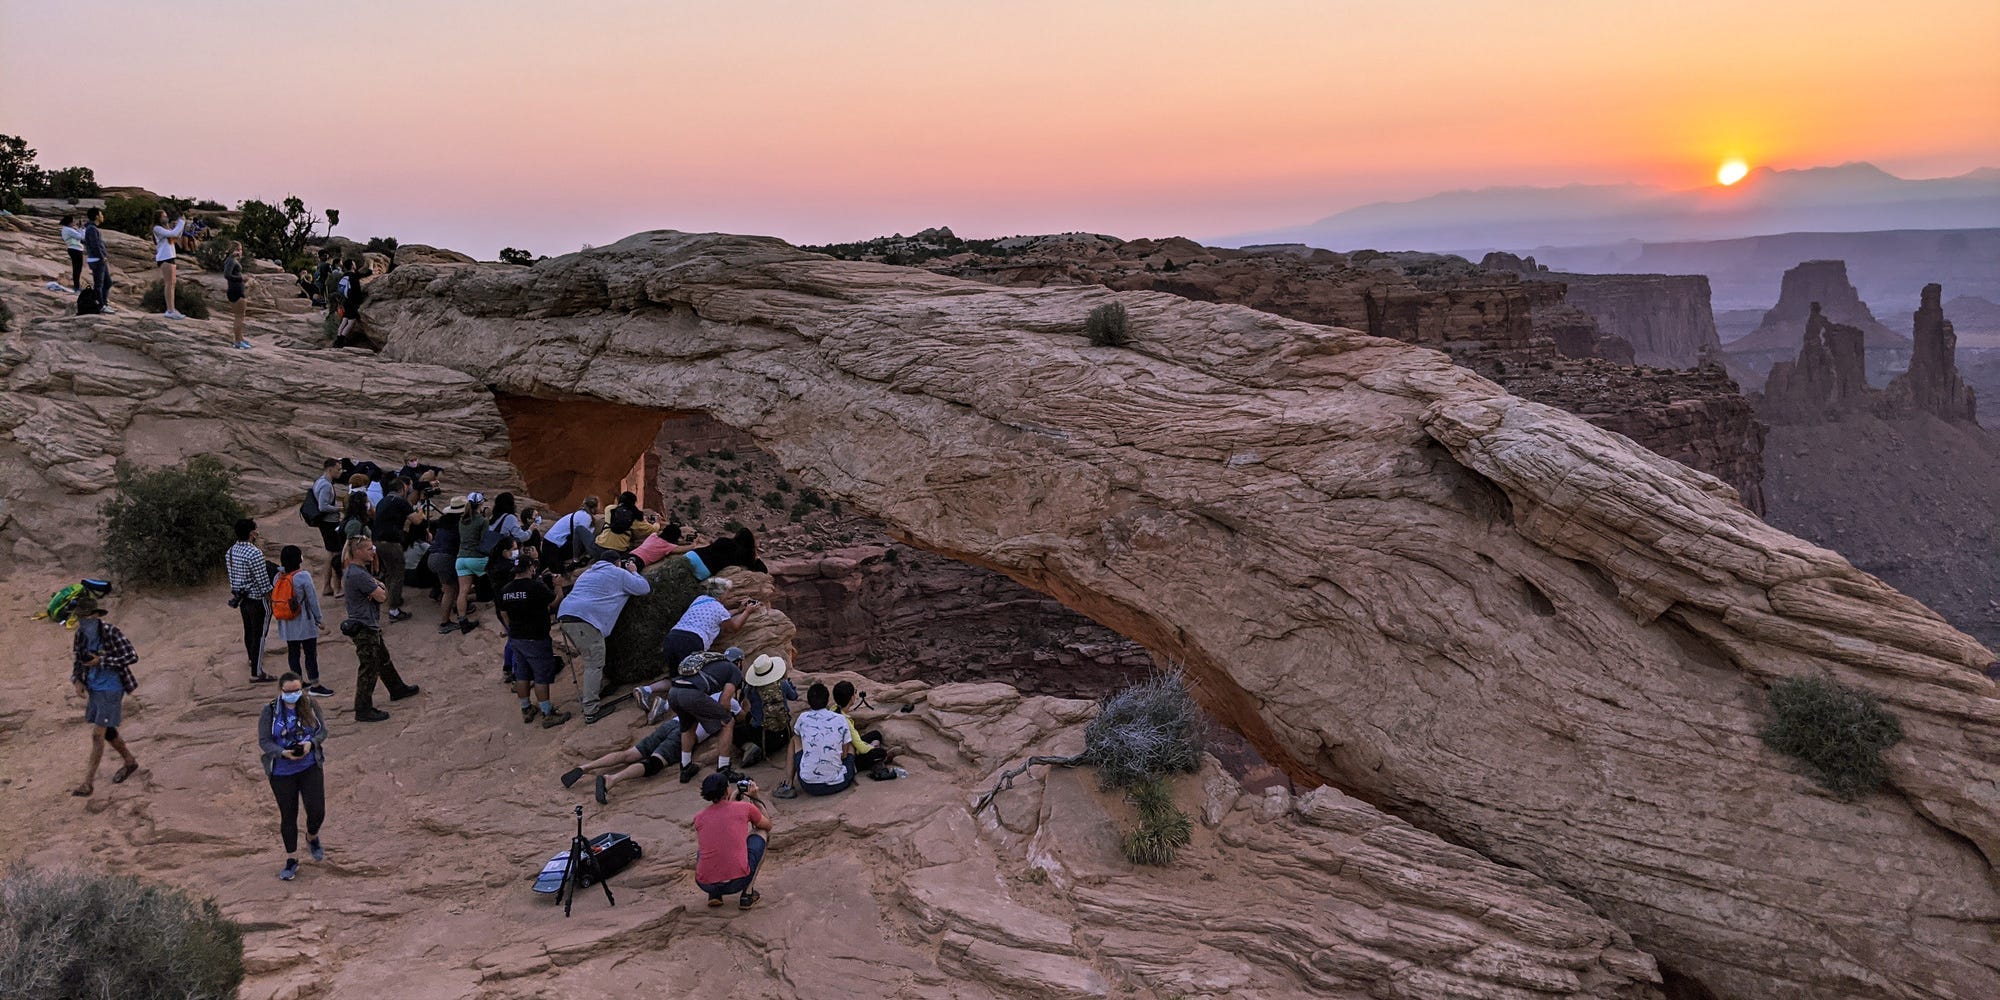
column 133, row 215
column 510, row 255
column 188, row 298
column 1148, row 730
column 170, row 526
column 65, row 935
column 1106, row 326
column 1163, row 828
column 214, row 251
column 210, row 205
column 1838, row 733
column 632, row 650
column 277, row 232
column 774, row 500
column 69, row 182
column 6, row 316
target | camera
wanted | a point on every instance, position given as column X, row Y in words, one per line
column 742, row 787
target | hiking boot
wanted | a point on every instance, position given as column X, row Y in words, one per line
column 398, row 615
column 370, row 715
column 408, row 692
column 467, row 624
column 554, row 719
column 447, row 627
column 753, row 755
column 688, row 771
column 528, row 713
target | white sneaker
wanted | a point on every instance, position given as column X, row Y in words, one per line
column 107, row 311
column 173, row 314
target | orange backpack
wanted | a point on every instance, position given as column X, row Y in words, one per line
column 284, row 603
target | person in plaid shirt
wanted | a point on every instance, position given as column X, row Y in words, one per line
column 250, row 593
column 102, row 673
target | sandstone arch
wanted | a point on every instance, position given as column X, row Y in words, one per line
column 1342, row 535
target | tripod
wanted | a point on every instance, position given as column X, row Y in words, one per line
column 581, row 870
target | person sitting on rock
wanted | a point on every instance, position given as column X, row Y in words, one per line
column 869, row 753
column 626, row 526
column 101, row 671
column 641, row 760
column 822, row 762
column 766, row 731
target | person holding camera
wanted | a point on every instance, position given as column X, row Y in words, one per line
column 291, row 733
column 395, row 520
column 730, row 835
column 250, row 593
column 364, row 596
column 588, row 614
column 523, row 605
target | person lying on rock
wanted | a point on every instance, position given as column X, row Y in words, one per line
column 869, row 753
column 704, row 621
column 671, row 540
column 730, row 836
column 101, row 672
column 641, row 760
column 822, row 761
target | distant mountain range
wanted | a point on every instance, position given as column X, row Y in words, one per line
column 1852, row 197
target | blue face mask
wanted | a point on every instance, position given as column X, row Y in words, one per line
column 291, row 697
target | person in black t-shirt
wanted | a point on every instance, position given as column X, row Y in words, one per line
column 393, row 519
column 524, row 604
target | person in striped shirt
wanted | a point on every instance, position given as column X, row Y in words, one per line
column 250, row 593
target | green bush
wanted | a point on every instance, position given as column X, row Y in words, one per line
column 170, row 526
column 210, row 205
column 1106, row 326
column 276, row 232
column 1163, row 828
column 69, row 182
column 188, row 298
column 133, row 215
column 1148, row 730
column 214, row 251
column 68, row 935
column 1838, row 733
column 632, row 652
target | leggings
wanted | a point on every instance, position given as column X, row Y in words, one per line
column 76, row 269
column 310, row 648
column 310, row 785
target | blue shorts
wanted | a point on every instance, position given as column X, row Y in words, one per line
column 533, row 660
column 470, row 566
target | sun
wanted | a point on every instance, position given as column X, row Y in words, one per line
column 1731, row 171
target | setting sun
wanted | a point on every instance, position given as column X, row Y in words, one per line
column 1732, row 171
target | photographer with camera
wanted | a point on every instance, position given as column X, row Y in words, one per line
column 290, row 733
column 523, row 605
column 250, row 593
column 590, row 611
column 395, row 520
column 730, row 836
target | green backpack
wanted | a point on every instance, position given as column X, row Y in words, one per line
column 61, row 608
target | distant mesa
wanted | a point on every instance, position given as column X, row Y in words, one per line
column 1822, row 282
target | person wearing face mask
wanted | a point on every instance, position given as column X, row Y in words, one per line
column 290, row 733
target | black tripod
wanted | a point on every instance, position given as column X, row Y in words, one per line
column 581, row 870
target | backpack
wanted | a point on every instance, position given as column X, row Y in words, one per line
column 61, row 608
column 310, row 512
column 620, row 521
column 86, row 302
column 693, row 676
column 284, row 602
column 489, row 538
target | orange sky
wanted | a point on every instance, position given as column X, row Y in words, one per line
column 546, row 125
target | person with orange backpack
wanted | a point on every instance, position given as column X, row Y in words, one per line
column 295, row 604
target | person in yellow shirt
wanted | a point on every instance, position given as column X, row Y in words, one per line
column 869, row 753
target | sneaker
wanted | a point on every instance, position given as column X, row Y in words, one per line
column 242, row 345
column 647, row 699
column 398, row 615
column 173, row 314
column 371, row 715
column 408, row 692
column 748, row 899
column 688, row 771
column 320, row 691
column 603, row 792
column 261, row 678
column 785, row 791
column 467, row 624
column 572, row 776
column 554, row 719
column 291, row 869
column 447, row 627
column 528, row 713
column 729, row 774
column 318, row 852
column 593, row 718
column 108, row 311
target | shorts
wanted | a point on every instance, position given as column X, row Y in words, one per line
column 105, row 708
column 534, row 660
column 679, row 645
column 235, row 295
column 444, row 564
column 668, row 732
column 470, row 565
column 329, row 536
column 692, row 708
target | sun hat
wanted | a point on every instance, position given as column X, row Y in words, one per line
column 765, row 669
column 456, row 506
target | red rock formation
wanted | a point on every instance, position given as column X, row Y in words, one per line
column 1665, row 317
column 1932, row 385
column 1815, row 281
column 1828, row 379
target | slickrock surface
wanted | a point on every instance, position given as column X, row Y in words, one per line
column 438, row 818
column 1502, row 622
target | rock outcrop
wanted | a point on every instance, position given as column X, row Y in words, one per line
column 1489, row 616
column 1932, row 385
column 1829, row 378
column 1665, row 317
column 1821, row 282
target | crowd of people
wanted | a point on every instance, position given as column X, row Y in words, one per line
column 558, row 591
column 335, row 286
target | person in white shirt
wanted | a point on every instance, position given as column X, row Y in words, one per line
column 163, row 255
column 821, row 763
column 561, row 544
column 73, row 242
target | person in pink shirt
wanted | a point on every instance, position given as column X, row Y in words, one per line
column 663, row 543
column 729, row 840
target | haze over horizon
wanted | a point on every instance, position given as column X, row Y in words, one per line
column 545, row 128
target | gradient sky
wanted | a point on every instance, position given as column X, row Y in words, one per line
column 478, row 123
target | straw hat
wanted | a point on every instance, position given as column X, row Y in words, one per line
column 765, row 669
column 456, row 506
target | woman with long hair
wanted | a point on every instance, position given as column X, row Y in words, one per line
column 232, row 279
column 163, row 255
column 300, row 621
column 291, row 733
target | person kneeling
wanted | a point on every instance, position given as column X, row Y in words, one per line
column 821, row 763
column 729, row 840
